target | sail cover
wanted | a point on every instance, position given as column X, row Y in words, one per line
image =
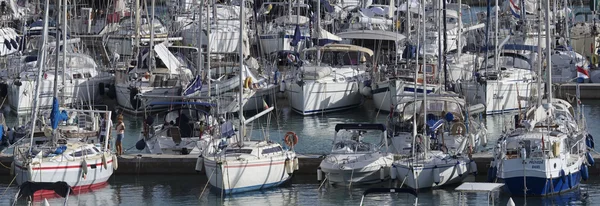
column 56, row 116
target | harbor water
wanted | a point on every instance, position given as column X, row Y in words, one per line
column 186, row 190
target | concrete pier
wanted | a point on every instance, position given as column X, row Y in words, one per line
column 568, row 91
column 149, row 164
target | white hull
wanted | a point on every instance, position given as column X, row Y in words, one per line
column 366, row 169
column 70, row 172
column 243, row 175
column 500, row 97
column 166, row 145
column 403, row 92
column 421, row 176
column 76, row 91
column 275, row 42
column 255, row 103
column 124, row 97
column 315, row 97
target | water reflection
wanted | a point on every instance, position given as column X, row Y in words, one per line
column 185, row 190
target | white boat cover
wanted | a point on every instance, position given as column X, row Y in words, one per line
column 168, row 58
column 316, row 72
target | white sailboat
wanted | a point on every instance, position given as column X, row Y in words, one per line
column 353, row 161
column 246, row 164
column 546, row 152
column 82, row 165
column 438, row 155
column 330, row 79
column 438, row 158
column 509, row 88
column 553, row 146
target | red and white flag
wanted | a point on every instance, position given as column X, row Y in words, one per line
column 582, row 72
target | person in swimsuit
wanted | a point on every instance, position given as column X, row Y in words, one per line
column 120, row 133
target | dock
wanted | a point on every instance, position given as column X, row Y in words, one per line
column 568, row 91
column 152, row 164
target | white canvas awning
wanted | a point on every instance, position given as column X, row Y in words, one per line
column 168, row 58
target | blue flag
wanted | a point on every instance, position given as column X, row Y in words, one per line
column 297, row 36
column 193, row 86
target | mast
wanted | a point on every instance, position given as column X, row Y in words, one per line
column 151, row 50
column 137, row 30
column 548, row 53
column 496, row 8
column 199, row 43
column 539, row 51
column 64, row 36
column 438, row 15
column 319, row 32
column 40, row 64
column 423, row 68
column 414, row 124
column 460, row 25
column 208, row 27
column 445, row 63
column 57, row 50
column 241, row 45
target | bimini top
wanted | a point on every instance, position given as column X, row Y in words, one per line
column 339, row 127
column 341, row 47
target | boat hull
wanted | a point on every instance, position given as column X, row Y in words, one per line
column 422, row 177
column 534, row 176
column 315, row 98
column 367, row 171
column 77, row 91
column 384, row 92
column 276, row 42
column 238, row 176
column 70, row 172
column 126, row 99
column 501, row 97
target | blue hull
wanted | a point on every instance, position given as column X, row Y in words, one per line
column 541, row 187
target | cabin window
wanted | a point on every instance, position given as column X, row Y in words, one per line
column 242, row 151
column 87, row 75
column 77, row 76
column 171, row 82
column 83, row 152
column 96, row 149
column 272, row 150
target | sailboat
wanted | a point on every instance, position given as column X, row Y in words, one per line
column 245, row 164
column 440, row 154
column 546, row 153
column 354, row 161
column 83, row 165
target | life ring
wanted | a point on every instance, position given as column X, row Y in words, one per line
column 291, row 58
column 419, row 139
column 458, row 128
column 247, row 82
column 290, row 139
column 594, row 59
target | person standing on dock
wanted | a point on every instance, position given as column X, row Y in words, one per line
column 120, row 133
